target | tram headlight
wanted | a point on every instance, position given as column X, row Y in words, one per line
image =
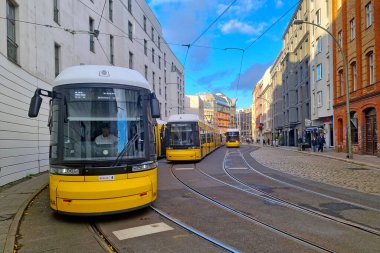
column 144, row 166
column 64, row 171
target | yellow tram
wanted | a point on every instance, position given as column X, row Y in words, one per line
column 102, row 156
column 189, row 138
column 159, row 136
column 232, row 138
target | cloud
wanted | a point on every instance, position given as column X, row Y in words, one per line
column 235, row 26
column 250, row 77
column 210, row 79
column 278, row 3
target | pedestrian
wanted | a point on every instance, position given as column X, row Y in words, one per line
column 314, row 143
column 321, row 141
column 268, row 141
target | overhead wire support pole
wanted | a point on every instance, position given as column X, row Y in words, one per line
column 348, row 137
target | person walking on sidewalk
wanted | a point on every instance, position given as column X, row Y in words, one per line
column 321, row 141
column 314, row 143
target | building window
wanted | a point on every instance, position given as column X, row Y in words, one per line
column 146, row 47
column 318, row 17
column 11, row 32
column 92, row 41
column 319, row 98
column 341, row 82
column 340, row 38
column 112, row 50
column 130, row 6
column 57, row 52
column 319, row 45
column 165, row 60
column 146, row 72
column 144, row 23
column 368, row 11
column 165, row 75
column 154, row 81
column 130, row 60
column 159, row 62
column 153, row 55
column 307, row 111
column 130, row 31
column 166, row 95
column 110, row 9
column 354, row 76
column 152, row 35
column 166, row 110
column 352, row 28
column 319, row 72
column 159, row 85
column 56, row 11
column 159, row 42
column 371, row 68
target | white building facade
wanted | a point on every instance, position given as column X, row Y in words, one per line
column 194, row 105
column 321, row 80
column 41, row 38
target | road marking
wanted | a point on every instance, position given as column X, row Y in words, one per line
column 184, row 168
column 238, row 168
column 141, row 231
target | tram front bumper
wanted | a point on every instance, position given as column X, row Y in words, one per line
column 100, row 197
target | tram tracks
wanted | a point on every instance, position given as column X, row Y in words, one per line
column 264, row 195
column 251, row 218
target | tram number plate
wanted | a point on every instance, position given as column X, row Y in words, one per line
column 107, row 178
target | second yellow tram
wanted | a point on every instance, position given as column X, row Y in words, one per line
column 189, row 138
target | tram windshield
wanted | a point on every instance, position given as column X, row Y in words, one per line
column 183, row 134
column 232, row 136
column 99, row 123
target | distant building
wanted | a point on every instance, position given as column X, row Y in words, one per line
column 194, row 105
column 60, row 34
column 219, row 110
column 244, row 122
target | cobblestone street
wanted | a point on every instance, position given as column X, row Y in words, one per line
column 321, row 169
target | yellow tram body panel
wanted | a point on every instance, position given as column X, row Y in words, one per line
column 89, row 195
column 183, row 154
column 233, row 144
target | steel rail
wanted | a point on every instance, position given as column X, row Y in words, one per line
column 305, row 189
column 194, row 231
column 251, row 218
column 262, row 194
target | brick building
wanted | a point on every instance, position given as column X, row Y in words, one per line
column 356, row 25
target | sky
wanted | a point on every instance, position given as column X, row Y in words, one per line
column 256, row 26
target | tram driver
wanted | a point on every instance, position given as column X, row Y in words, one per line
column 105, row 138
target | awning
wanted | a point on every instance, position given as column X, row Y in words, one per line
column 311, row 129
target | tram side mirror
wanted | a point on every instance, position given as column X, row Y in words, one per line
column 35, row 105
column 155, row 106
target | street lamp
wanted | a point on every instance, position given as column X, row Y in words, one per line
column 266, row 100
column 349, row 146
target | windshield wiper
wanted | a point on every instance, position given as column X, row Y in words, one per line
column 125, row 148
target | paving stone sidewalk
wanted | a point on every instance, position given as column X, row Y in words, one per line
column 330, row 167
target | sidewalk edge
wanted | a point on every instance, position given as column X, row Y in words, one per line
column 13, row 229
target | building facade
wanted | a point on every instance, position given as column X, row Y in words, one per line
column 356, row 25
column 219, row 110
column 320, row 103
column 194, row 105
column 39, row 39
column 244, row 122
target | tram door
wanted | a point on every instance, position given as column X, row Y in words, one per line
column 370, row 132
